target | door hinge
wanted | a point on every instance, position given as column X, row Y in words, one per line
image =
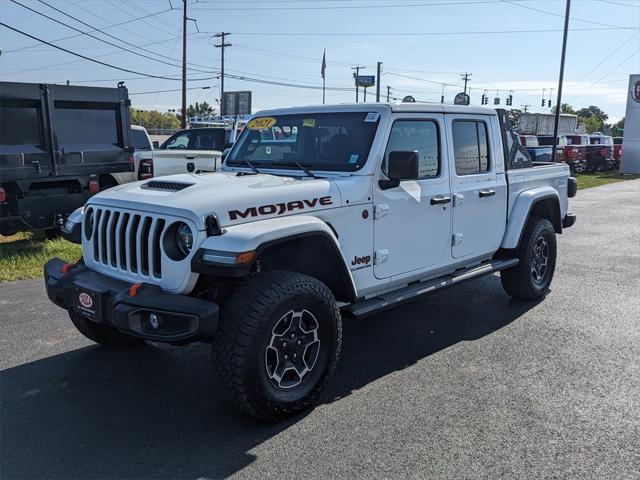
column 456, row 239
column 380, row 256
column 380, row 211
column 457, row 199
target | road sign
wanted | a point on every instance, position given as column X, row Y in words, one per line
column 365, row 81
column 237, row 103
column 461, row 99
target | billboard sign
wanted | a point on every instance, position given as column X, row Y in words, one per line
column 236, row 103
column 365, row 81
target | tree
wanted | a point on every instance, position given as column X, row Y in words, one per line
column 152, row 119
column 618, row 128
column 200, row 110
column 591, row 124
column 593, row 118
column 565, row 108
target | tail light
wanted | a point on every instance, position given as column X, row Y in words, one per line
column 603, row 152
column 3, row 195
column 571, row 152
column 94, row 186
column 145, row 169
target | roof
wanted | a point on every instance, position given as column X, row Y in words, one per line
column 399, row 107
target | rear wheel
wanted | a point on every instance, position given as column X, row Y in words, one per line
column 279, row 343
column 104, row 335
column 531, row 278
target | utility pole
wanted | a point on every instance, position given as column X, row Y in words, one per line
column 466, row 78
column 378, row 81
column 222, row 46
column 525, row 108
column 183, row 120
column 356, row 74
column 560, row 80
column 388, row 93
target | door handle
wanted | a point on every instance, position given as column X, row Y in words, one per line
column 190, row 157
column 486, row 193
column 441, row 200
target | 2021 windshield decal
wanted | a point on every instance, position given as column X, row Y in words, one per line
column 279, row 208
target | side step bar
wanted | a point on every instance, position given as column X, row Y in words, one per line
column 391, row 299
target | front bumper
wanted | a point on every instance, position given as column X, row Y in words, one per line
column 151, row 313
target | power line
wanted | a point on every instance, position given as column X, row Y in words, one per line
column 104, row 28
column 423, row 34
column 93, row 36
column 336, row 7
column 85, row 57
column 171, row 90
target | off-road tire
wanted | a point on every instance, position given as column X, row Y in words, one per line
column 248, row 321
column 104, row 335
column 519, row 281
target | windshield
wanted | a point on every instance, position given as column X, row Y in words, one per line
column 320, row 141
column 197, row 139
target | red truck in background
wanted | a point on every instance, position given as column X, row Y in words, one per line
column 617, row 150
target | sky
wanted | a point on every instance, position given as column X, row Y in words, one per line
column 506, row 46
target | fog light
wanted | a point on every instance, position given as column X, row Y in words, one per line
column 154, row 321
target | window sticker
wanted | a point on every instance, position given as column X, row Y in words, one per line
column 268, row 150
column 372, row 117
column 354, row 158
column 261, row 123
column 309, row 122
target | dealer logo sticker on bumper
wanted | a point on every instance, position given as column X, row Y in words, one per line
column 85, row 300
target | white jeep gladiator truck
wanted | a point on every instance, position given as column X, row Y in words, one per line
column 318, row 212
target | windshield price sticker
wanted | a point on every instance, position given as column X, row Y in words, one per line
column 309, row 122
column 261, row 123
column 372, row 117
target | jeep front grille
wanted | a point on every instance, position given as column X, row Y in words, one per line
column 126, row 241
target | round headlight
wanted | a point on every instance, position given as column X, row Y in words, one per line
column 88, row 223
column 184, row 239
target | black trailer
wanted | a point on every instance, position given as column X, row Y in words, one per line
column 58, row 145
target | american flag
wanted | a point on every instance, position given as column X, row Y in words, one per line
column 324, row 63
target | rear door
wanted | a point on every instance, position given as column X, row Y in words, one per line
column 478, row 185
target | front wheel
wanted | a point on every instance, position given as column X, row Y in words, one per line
column 279, row 343
column 531, row 278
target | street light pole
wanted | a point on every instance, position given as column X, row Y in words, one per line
column 560, row 80
column 183, row 120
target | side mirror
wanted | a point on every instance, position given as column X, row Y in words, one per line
column 402, row 165
column 155, row 144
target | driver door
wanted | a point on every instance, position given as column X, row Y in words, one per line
column 412, row 227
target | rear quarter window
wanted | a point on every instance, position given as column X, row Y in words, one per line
column 470, row 146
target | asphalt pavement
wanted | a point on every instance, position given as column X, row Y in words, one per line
column 465, row 383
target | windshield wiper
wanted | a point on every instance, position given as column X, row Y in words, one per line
column 251, row 165
column 302, row 167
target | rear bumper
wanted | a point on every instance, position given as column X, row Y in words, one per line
column 568, row 220
column 151, row 314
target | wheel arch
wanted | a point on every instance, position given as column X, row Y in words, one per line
column 299, row 243
column 542, row 203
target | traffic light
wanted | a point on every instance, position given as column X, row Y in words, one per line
column 509, row 101
column 484, row 97
column 496, row 101
column 544, row 102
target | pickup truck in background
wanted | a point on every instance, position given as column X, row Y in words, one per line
column 600, row 153
column 535, row 151
column 617, row 150
column 577, row 154
column 561, row 150
column 191, row 150
column 356, row 209
column 59, row 145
